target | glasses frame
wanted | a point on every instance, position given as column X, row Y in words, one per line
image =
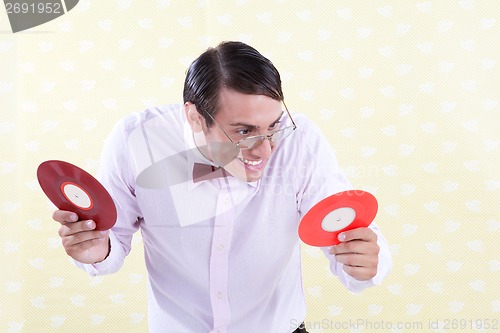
column 267, row 136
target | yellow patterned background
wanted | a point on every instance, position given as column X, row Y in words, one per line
column 406, row 92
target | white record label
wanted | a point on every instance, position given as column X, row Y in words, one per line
column 338, row 219
column 77, row 196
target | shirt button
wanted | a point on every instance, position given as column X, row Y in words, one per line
column 220, row 247
column 219, row 295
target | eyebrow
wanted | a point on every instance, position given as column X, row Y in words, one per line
column 257, row 127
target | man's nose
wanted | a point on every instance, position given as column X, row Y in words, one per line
column 264, row 149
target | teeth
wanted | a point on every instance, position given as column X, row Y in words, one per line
column 244, row 160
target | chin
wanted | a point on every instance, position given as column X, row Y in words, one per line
column 253, row 177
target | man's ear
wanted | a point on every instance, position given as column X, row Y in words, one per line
column 193, row 117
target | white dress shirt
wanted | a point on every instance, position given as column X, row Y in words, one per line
column 222, row 255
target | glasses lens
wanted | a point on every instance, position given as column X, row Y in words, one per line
column 251, row 142
column 281, row 134
column 255, row 141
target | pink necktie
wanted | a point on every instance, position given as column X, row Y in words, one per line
column 203, row 171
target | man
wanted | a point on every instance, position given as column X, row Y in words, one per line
column 221, row 248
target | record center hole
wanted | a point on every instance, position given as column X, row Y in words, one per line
column 338, row 219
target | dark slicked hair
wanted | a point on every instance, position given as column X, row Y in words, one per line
column 231, row 65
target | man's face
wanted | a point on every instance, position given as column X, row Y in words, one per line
column 243, row 116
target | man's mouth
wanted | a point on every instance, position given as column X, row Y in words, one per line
column 249, row 162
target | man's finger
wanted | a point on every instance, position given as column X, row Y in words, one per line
column 64, row 216
column 350, row 259
column 356, row 246
column 83, row 237
column 71, row 228
column 364, row 234
column 360, row 273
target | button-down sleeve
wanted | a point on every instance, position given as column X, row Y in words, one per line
column 320, row 176
column 117, row 177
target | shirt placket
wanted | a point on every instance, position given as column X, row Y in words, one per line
column 223, row 229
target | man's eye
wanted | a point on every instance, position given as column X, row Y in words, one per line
column 273, row 126
column 243, row 132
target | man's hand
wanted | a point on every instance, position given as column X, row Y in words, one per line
column 80, row 240
column 358, row 251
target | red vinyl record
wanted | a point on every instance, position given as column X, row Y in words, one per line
column 73, row 189
column 337, row 213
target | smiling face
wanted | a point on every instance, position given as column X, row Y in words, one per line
column 241, row 116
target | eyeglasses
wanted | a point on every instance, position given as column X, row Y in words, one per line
column 255, row 141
